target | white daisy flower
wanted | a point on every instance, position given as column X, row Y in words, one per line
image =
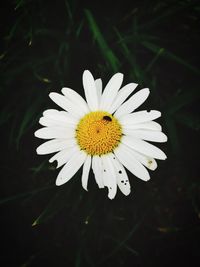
column 103, row 133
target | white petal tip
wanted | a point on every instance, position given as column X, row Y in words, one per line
column 59, row 182
column 151, row 164
column 163, row 156
column 39, row 152
column 146, row 178
column 127, row 193
column 86, row 72
column 111, row 197
column 165, row 138
column 120, row 74
column 85, row 188
column 153, row 168
column 134, row 84
column 64, row 90
column 35, row 134
column 52, row 95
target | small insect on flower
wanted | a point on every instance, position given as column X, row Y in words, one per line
column 103, row 133
column 107, row 118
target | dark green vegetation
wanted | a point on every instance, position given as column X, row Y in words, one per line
column 47, row 45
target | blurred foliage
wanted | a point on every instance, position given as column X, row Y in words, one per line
column 48, row 45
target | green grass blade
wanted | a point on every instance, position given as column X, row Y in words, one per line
column 153, row 61
column 123, row 242
column 39, row 168
column 69, row 11
column 168, row 11
column 19, row 4
column 130, row 57
column 25, row 123
column 54, row 206
column 155, row 49
column 172, row 134
column 79, row 28
column 24, row 195
column 188, row 120
column 181, row 100
column 5, row 115
column 107, row 53
column 28, row 120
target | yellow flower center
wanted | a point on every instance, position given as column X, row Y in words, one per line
column 98, row 133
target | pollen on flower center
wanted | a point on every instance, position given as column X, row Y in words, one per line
column 98, row 133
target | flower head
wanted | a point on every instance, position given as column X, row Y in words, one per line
column 103, row 133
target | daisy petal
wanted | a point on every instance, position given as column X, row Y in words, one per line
column 55, row 145
column 127, row 158
column 61, row 116
column 148, row 162
column 97, row 170
column 152, row 136
column 67, row 116
column 122, row 177
column 150, row 125
column 109, row 177
column 66, row 104
column 90, row 90
column 86, row 170
column 71, row 167
column 49, row 122
column 121, row 96
column 98, row 84
column 45, row 121
column 143, row 147
column 50, row 113
column 133, row 103
column 111, row 90
column 63, row 156
column 76, row 99
column 55, row 132
column 139, row 117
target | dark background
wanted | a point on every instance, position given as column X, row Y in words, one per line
column 46, row 45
